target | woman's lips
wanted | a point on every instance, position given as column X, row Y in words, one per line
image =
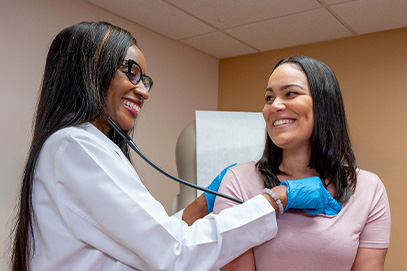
column 282, row 122
column 132, row 106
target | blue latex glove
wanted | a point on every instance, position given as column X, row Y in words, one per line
column 310, row 195
column 210, row 198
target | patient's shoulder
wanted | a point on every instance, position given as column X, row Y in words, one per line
column 248, row 178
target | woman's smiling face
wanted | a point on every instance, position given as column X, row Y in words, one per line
column 288, row 109
column 124, row 99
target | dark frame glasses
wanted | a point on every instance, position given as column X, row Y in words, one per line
column 135, row 74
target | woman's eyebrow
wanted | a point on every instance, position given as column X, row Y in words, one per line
column 285, row 87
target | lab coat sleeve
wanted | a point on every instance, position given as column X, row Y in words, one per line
column 179, row 214
column 105, row 205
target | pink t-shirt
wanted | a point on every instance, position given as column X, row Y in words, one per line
column 316, row 242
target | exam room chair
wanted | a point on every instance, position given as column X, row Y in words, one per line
column 185, row 156
column 234, row 137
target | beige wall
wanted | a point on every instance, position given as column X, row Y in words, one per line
column 184, row 80
column 372, row 72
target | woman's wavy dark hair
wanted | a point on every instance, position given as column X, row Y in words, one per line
column 331, row 153
column 80, row 65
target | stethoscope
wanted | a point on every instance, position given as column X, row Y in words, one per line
column 133, row 145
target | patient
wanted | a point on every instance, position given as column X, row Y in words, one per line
column 307, row 136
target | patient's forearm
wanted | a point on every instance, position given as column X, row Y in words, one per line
column 197, row 209
column 244, row 262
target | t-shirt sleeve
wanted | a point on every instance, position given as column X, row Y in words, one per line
column 229, row 186
column 376, row 232
column 242, row 181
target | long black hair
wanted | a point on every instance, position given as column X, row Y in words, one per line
column 80, row 65
column 331, row 153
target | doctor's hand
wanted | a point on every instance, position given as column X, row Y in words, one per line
column 310, row 195
column 203, row 204
column 210, row 198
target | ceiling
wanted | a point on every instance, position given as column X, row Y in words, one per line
column 227, row 28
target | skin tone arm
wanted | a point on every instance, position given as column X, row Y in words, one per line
column 369, row 259
column 198, row 209
column 244, row 262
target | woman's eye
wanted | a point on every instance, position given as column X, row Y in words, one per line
column 134, row 70
column 290, row 93
column 134, row 75
column 269, row 98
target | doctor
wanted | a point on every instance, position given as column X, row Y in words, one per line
column 82, row 205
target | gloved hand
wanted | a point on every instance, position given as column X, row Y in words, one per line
column 310, row 195
column 210, row 198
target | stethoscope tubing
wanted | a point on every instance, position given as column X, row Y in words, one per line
column 133, row 145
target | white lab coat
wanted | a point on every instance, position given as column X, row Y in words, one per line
column 92, row 212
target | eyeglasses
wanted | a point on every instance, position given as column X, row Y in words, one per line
column 135, row 74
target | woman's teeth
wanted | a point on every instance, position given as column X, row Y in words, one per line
column 281, row 122
column 131, row 105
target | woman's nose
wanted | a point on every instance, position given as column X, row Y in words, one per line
column 142, row 90
column 277, row 105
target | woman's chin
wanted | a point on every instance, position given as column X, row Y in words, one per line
column 125, row 122
column 282, row 142
column 127, row 126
